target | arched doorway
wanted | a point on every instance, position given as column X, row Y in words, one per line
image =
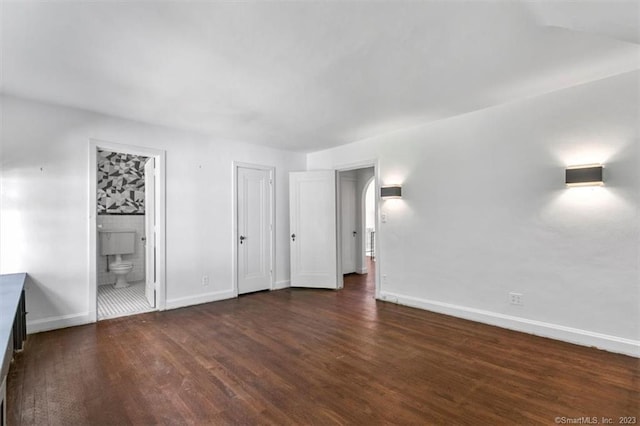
column 369, row 211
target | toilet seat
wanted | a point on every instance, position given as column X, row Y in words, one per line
column 120, row 270
column 120, row 265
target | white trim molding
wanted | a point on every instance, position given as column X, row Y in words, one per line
column 538, row 328
column 279, row 285
column 54, row 323
column 199, row 299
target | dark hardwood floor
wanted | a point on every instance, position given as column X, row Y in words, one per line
column 301, row 356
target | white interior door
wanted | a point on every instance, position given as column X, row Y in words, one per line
column 254, row 229
column 348, row 232
column 313, row 239
column 150, row 231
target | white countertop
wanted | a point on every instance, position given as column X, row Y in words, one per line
column 11, row 286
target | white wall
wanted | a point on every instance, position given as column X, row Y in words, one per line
column 485, row 212
column 45, row 206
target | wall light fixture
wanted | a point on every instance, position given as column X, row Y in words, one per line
column 390, row 191
column 584, row 175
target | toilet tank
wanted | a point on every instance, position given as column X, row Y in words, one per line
column 117, row 241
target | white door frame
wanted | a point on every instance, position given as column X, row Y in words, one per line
column 150, row 232
column 160, row 157
column 355, row 166
column 234, row 217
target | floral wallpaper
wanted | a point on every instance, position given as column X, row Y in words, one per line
column 120, row 183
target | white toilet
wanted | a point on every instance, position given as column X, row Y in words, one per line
column 118, row 242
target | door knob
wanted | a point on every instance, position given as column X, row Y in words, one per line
column 242, row 238
column 354, row 233
column 293, row 237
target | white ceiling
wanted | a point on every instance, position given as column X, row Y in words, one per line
column 307, row 75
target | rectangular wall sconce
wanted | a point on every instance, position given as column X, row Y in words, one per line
column 585, row 175
column 390, row 191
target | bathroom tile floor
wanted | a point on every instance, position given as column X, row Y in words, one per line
column 118, row 302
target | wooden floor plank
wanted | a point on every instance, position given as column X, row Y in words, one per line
column 308, row 356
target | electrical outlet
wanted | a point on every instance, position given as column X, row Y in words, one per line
column 205, row 280
column 515, row 298
column 383, row 217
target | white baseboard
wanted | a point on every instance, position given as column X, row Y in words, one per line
column 53, row 323
column 362, row 271
column 538, row 328
column 279, row 285
column 215, row 296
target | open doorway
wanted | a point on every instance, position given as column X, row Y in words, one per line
column 327, row 226
column 357, row 226
column 126, row 238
